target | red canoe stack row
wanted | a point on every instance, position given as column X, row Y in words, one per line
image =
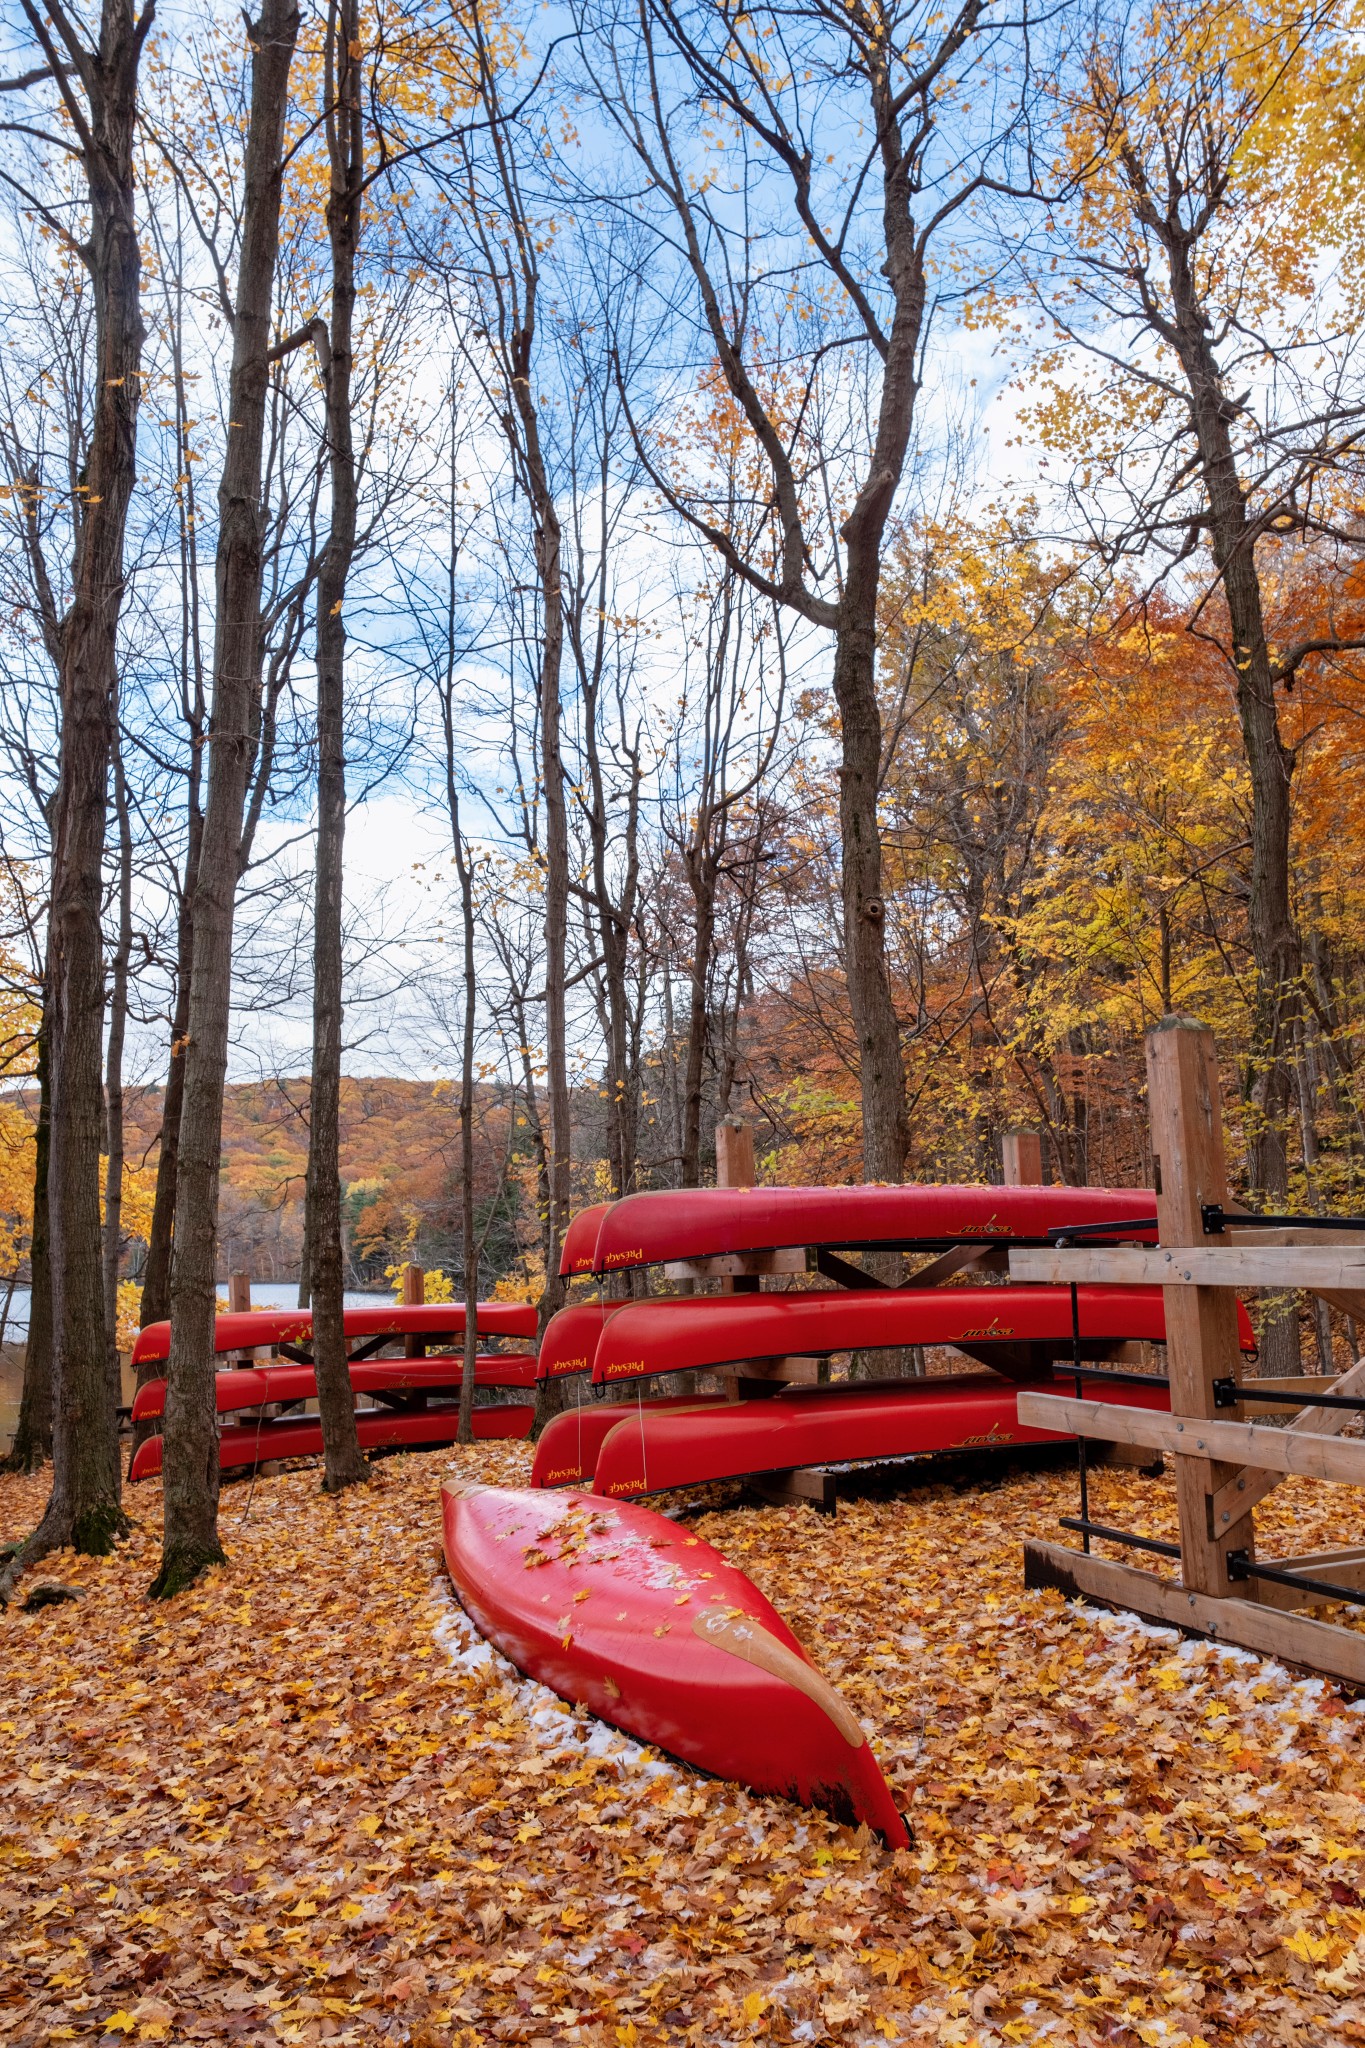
column 415, row 1398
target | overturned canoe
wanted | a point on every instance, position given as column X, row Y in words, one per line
column 379, row 1429
column 580, row 1240
column 622, row 1611
column 262, row 1329
column 255, row 1386
column 570, row 1341
column 700, row 1223
column 1017, row 1329
column 652, row 1451
column 566, row 1454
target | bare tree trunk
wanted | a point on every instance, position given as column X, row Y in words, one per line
column 344, row 1462
column 32, row 1444
column 701, row 874
column 156, row 1274
column 881, row 1073
column 1274, row 936
column 84, row 1507
column 113, row 1072
column 556, row 835
column 190, row 1533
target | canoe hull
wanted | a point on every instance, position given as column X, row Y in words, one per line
column 259, row 1329
column 821, row 1426
column 256, row 1386
column 566, row 1454
column 620, row 1610
column 699, row 1223
column 300, row 1436
column 1025, row 1327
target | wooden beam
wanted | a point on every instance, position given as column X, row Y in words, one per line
column 1306, row 1454
column 1286, row 1234
column 414, row 1294
column 810, row 1484
column 730, row 1265
column 734, row 1153
column 1022, row 1155
column 1345, row 1567
column 1202, row 1340
column 1187, row 1265
column 1253, row 1625
column 239, row 1301
column 975, row 1258
column 1240, row 1492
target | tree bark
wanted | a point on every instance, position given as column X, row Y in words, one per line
column 32, row 1444
column 84, row 1508
column 113, row 1073
column 190, row 1533
column 156, row 1275
column 344, row 1462
column 1274, row 936
column 701, row 876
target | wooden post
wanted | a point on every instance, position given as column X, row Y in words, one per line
column 1186, row 1113
column 239, row 1303
column 414, row 1294
column 734, row 1154
column 735, row 1169
column 1022, row 1152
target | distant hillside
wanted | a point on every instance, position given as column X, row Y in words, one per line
column 399, row 1167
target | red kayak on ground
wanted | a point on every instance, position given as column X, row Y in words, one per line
column 650, row 1629
column 566, row 1454
column 253, row 1386
column 1016, row 1329
column 655, row 1450
column 300, row 1436
column 702, row 1223
column 265, row 1329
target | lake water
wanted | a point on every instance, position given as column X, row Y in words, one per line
column 264, row 1294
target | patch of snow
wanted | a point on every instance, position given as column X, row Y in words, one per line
column 469, row 1651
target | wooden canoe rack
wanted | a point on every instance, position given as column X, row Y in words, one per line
column 1224, row 1463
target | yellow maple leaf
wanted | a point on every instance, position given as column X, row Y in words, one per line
column 120, row 2022
column 1309, row 1948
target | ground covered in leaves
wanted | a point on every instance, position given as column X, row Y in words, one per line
column 303, row 1803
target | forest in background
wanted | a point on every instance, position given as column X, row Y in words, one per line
column 837, row 534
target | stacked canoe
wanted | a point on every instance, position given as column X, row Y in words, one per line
column 1022, row 1335
column 413, row 1399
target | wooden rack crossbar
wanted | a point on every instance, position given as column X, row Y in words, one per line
column 1224, row 1464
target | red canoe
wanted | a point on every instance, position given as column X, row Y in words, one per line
column 253, row 1386
column 265, row 1329
column 300, row 1436
column 699, row 1223
column 570, row 1339
column 653, row 1631
column 566, row 1454
column 653, row 1451
column 1017, row 1329
column 580, row 1240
